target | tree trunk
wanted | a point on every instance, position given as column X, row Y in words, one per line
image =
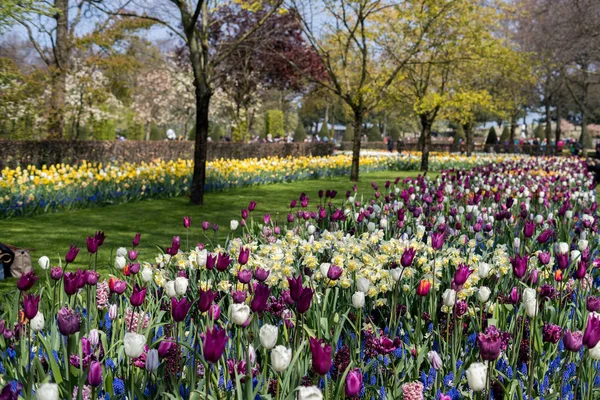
column 558, row 131
column 358, row 121
column 468, row 128
column 584, row 139
column 59, row 77
column 513, row 130
column 200, row 147
column 325, row 127
column 548, row 123
column 425, row 142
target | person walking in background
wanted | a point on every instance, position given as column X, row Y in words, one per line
column 399, row 146
column 390, row 144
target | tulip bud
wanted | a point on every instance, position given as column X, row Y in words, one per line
column 38, row 322
column 233, row 224
column 47, row 391
column 147, row 274
column 170, row 289
column 363, row 284
column 112, row 312
column 309, row 393
column 434, row 359
column 181, row 285
column 120, row 262
column 483, row 270
column 449, row 297
column 44, row 262
column 152, row 361
column 94, row 337
column 483, row 294
column 240, row 314
column 268, row 336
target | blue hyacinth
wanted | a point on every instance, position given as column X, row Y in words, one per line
column 118, row 387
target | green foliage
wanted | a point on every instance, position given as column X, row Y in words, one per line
column 135, row 132
column 291, row 121
column 349, row 134
column 274, row 123
column 299, row 133
column 492, row 138
column 395, row 132
column 215, row 131
column 374, row 134
column 324, row 131
column 157, row 133
column 460, row 134
column 505, row 134
column 240, row 132
column 103, row 129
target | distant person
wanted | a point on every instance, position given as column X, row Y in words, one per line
column 269, row 138
column 171, row 135
column 399, row 145
column 390, row 144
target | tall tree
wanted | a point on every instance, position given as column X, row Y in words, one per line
column 208, row 44
column 364, row 45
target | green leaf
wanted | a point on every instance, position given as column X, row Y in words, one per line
column 53, row 365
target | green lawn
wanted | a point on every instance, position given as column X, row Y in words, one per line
column 160, row 220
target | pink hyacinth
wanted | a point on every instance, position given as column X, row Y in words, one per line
column 102, row 295
column 132, row 325
column 86, row 395
column 412, row 391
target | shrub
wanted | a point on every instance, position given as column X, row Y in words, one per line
column 505, row 134
column 274, row 123
column 492, row 139
column 299, row 133
column 349, row 134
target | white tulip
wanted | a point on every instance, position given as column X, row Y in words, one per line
column 281, row 357
column 94, row 337
column 120, row 262
column 371, row 226
column 121, row 252
column 44, row 262
column 181, row 285
column 47, row 391
column 582, row 244
column 233, row 224
column 484, row 270
column 324, row 268
column 383, row 223
column 575, row 254
column 358, row 300
column 516, row 244
column 268, row 336
column 363, row 284
column 595, row 352
column 134, row 344
column 311, row 229
column 563, row 248
column 170, row 289
column 38, row 322
column 201, row 257
column 309, row 393
column 530, row 302
column 396, row 274
column 147, row 274
column 483, row 294
column 477, row 376
column 240, row 313
column 569, row 214
column 539, row 219
column 449, row 297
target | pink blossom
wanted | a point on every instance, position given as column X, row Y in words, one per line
column 102, row 295
column 132, row 325
column 412, row 391
column 86, row 395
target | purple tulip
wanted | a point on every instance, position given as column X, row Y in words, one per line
column 462, row 274
column 573, row 340
column 187, row 222
column 134, row 268
column 136, row 239
column 26, row 281
column 544, row 257
column 118, row 286
column 519, row 265
column 244, row 213
column 407, row 257
column 334, row 272
column 71, row 254
column 223, row 262
column 180, row 308
column 30, row 305
column 581, row 270
column 138, row 296
column 214, row 312
column 261, row 296
column 551, row 333
column 591, row 335
column 293, row 204
column 593, row 303
column 354, row 383
column 529, row 229
column 86, row 346
column 92, row 244
column 252, row 206
column 515, row 296
column 100, row 236
column 562, row 260
column 132, row 254
column 489, row 343
column 165, row 347
column 214, row 344
column 175, row 246
column 304, row 301
column 295, row 284
column 244, row 255
column 437, row 240
column 261, row 274
column 211, row 260
column 70, row 283
column 239, row 296
column 244, row 275
column 267, row 219
column 81, row 279
column 290, row 218
column 56, row 273
column 321, row 356
column 545, row 236
column 205, row 299
column 215, row 227
column 68, row 321
column 91, row 277
column 94, row 376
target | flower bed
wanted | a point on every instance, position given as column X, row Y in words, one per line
column 31, row 190
column 478, row 283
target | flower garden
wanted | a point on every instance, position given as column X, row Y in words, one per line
column 480, row 283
